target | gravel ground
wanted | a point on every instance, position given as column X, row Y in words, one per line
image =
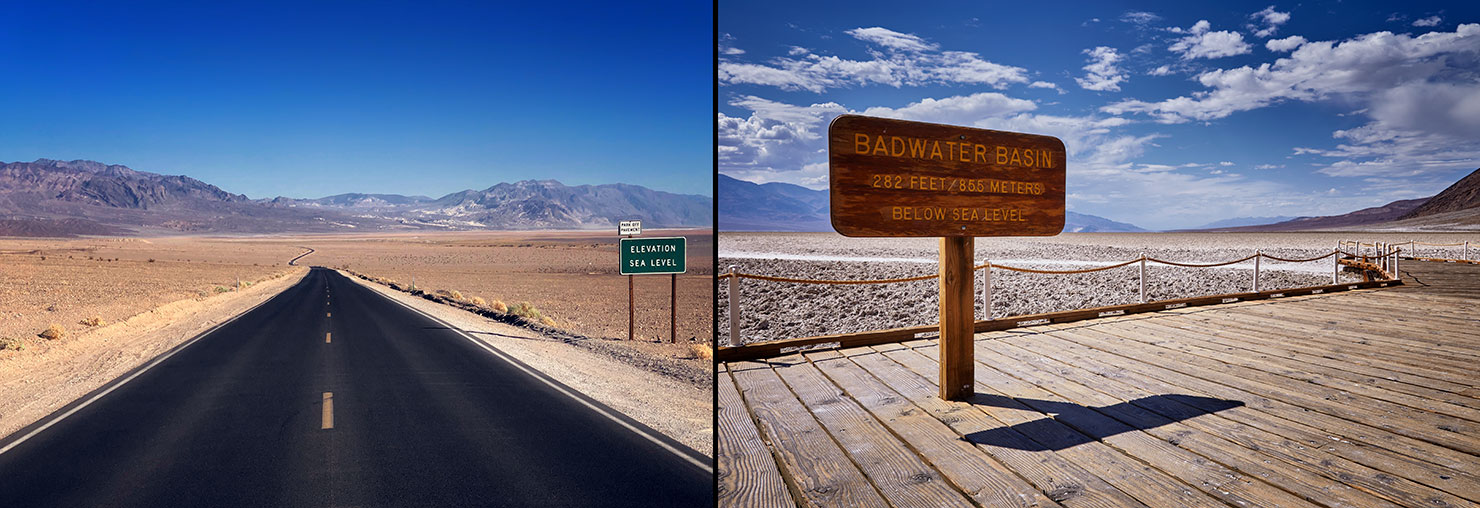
column 775, row 310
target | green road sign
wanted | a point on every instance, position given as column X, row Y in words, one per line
column 653, row 255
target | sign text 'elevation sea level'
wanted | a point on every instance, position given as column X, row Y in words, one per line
column 900, row 178
column 652, row 255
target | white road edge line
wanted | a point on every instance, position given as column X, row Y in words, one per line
column 504, row 356
column 131, row 377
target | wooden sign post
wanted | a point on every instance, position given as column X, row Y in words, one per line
column 912, row 179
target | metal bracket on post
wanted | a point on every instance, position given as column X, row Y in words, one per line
column 735, row 309
column 956, row 333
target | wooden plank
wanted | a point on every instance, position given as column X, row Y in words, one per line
column 1055, row 457
column 895, row 469
column 846, row 340
column 1335, row 341
column 1289, row 433
column 1424, row 338
column 1330, row 403
column 990, row 482
column 1193, row 344
column 1305, row 367
column 1359, row 432
column 822, row 473
column 1212, row 478
column 747, row 475
column 890, row 177
column 956, row 311
column 1310, row 472
column 1373, row 366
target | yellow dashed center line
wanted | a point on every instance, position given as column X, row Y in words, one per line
column 328, row 314
column 328, row 421
column 326, row 337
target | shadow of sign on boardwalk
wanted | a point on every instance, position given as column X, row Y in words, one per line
column 1048, row 434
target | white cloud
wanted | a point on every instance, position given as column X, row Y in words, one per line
column 1269, row 166
column 1201, row 42
column 1225, row 163
column 1101, row 73
column 899, row 60
column 1362, row 66
column 727, row 45
column 1285, row 44
column 1139, row 17
column 1165, row 70
column 892, row 39
column 1046, row 84
column 1270, row 19
column 1429, row 21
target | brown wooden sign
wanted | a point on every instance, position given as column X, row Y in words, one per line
column 901, row 178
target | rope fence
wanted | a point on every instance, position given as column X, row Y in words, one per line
column 1380, row 255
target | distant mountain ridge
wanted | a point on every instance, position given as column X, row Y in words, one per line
column 1455, row 208
column 1244, row 221
column 748, row 206
column 58, row 198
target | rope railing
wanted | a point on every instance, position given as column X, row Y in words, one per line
column 1384, row 257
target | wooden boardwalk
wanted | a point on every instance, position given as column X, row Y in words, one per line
column 1364, row 398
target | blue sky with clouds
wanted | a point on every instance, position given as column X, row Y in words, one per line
column 306, row 99
column 1175, row 114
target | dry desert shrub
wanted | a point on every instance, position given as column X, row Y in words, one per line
column 456, row 295
column 11, row 344
column 547, row 321
column 92, row 321
column 53, row 332
column 498, row 305
column 526, row 310
column 479, row 301
column 701, row 351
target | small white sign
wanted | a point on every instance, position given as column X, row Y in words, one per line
column 629, row 227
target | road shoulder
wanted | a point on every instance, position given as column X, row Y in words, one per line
column 39, row 383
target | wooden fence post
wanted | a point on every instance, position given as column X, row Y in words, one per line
column 1335, row 265
column 956, row 362
column 987, row 290
column 1257, row 254
column 1143, row 277
column 734, row 309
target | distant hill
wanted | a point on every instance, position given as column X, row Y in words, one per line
column 64, row 198
column 1363, row 217
column 1085, row 223
column 1244, row 221
column 1463, row 195
column 748, row 206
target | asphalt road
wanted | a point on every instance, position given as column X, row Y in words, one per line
column 332, row 395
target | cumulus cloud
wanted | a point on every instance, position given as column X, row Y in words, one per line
column 1270, row 21
column 1429, row 21
column 1165, row 70
column 1285, row 44
column 1202, row 42
column 897, row 60
column 1101, row 73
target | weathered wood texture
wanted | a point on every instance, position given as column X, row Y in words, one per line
column 888, row 177
column 955, row 317
column 1363, row 398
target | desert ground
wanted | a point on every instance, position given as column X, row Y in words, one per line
column 778, row 310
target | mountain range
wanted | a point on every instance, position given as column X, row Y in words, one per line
column 775, row 206
column 61, row 198
column 1456, row 208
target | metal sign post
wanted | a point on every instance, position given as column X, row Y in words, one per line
column 642, row 256
column 896, row 178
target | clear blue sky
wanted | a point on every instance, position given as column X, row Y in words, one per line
column 307, row 99
column 1175, row 113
